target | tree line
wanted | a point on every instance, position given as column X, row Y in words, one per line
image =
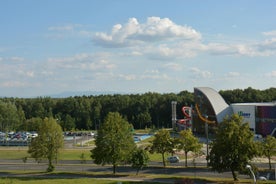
column 148, row 110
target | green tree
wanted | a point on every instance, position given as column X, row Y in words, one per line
column 32, row 124
column 139, row 159
column 114, row 143
column 269, row 148
column 82, row 159
column 9, row 116
column 233, row 146
column 47, row 143
column 162, row 143
column 143, row 119
column 188, row 142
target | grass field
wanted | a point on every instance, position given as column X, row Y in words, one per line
column 52, row 181
column 64, row 178
column 65, row 154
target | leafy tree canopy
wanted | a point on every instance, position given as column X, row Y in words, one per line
column 114, row 143
column 188, row 142
column 139, row 159
column 162, row 143
column 233, row 146
column 47, row 143
column 268, row 148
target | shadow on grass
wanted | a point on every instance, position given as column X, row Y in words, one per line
column 58, row 175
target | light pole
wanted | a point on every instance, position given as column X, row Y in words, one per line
column 250, row 169
column 207, row 140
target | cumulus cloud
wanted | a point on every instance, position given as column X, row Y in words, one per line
column 84, row 61
column 196, row 72
column 154, row 29
column 61, row 28
column 268, row 45
column 162, row 39
column 154, row 74
column 11, row 84
column 128, row 77
column 233, row 74
column 173, row 66
column 270, row 33
column 16, row 59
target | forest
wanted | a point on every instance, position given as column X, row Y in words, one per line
column 148, row 110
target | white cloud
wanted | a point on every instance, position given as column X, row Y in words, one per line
column 271, row 74
column 11, row 84
column 155, row 29
column 162, row 39
column 197, row 73
column 16, row 59
column 83, row 61
column 154, row 74
column 233, row 74
column 268, row 46
column 128, row 77
column 30, row 73
column 270, row 33
column 61, row 28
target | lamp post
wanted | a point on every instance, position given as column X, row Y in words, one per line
column 250, row 169
column 207, row 140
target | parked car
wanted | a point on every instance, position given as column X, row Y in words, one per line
column 173, row 159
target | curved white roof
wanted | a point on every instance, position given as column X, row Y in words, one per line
column 219, row 105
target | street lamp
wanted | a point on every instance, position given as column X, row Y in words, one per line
column 250, row 169
column 207, row 140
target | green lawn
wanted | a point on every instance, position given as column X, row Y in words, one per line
column 60, row 178
column 61, row 181
column 65, row 154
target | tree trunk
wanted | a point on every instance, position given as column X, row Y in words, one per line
column 234, row 175
column 163, row 157
column 50, row 165
column 137, row 171
column 186, row 157
column 269, row 161
column 114, row 169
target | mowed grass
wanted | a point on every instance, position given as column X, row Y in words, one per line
column 61, row 181
column 150, row 179
column 65, row 154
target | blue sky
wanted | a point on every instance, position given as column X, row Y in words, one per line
column 135, row 46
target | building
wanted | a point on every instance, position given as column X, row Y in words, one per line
column 260, row 116
column 211, row 108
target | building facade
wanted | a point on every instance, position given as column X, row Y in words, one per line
column 211, row 107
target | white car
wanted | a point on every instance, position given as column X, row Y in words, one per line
column 173, row 159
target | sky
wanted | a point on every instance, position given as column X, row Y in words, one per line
column 135, row 46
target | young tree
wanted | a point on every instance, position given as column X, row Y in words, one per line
column 82, row 159
column 162, row 143
column 188, row 142
column 114, row 143
column 233, row 146
column 139, row 159
column 47, row 143
column 269, row 148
